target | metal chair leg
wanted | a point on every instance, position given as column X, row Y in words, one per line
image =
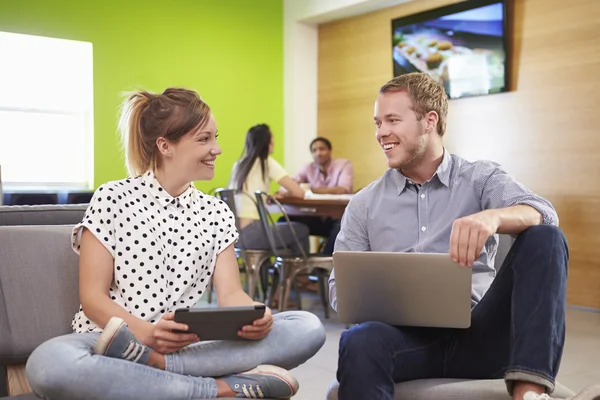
column 252, row 263
column 298, row 296
column 275, row 278
column 209, row 290
column 290, row 272
column 323, row 291
column 285, row 285
column 251, row 284
column 264, row 279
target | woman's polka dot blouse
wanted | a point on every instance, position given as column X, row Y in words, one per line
column 164, row 248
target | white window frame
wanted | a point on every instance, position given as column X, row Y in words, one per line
column 83, row 109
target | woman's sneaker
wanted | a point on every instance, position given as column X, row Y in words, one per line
column 264, row 381
column 117, row 341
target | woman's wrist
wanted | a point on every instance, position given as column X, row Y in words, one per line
column 142, row 330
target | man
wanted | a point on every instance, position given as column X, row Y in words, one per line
column 326, row 175
column 433, row 201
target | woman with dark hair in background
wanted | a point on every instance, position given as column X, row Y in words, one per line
column 255, row 171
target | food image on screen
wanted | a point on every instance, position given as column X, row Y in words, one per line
column 464, row 51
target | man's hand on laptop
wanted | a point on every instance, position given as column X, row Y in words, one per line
column 469, row 234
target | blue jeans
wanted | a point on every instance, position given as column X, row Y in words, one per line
column 517, row 331
column 64, row 368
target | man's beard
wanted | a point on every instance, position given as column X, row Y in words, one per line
column 414, row 153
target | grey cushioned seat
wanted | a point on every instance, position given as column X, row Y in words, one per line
column 32, row 396
column 453, row 389
column 42, row 215
column 38, row 291
column 29, row 396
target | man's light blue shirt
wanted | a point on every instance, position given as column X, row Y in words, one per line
column 393, row 214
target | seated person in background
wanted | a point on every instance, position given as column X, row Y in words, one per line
column 149, row 245
column 255, row 171
column 432, row 201
column 325, row 175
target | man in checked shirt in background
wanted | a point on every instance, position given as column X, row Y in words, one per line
column 432, row 201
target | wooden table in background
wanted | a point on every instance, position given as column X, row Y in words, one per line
column 333, row 208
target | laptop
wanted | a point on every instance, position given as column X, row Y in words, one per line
column 402, row 289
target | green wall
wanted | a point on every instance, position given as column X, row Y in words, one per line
column 230, row 51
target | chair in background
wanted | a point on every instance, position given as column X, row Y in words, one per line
column 290, row 266
column 252, row 260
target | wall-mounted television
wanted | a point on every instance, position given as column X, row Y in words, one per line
column 463, row 46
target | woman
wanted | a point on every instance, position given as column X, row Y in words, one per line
column 255, row 171
column 147, row 246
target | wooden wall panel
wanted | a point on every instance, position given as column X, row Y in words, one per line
column 545, row 131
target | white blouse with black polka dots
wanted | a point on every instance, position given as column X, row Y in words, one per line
column 164, row 248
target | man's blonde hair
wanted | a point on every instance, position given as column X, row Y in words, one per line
column 426, row 95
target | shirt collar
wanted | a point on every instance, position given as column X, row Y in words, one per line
column 443, row 170
column 318, row 169
column 162, row 196
column 442, row 173
column 399, row 180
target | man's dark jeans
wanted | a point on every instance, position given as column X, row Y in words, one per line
column 517, row 330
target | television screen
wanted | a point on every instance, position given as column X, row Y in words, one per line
column 462, row 46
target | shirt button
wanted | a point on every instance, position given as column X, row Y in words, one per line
column 423, row 228
column 411, row 183
column 422, row 196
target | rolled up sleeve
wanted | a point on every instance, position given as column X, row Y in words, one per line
column 500, row 190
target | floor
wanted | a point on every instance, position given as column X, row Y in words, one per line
column 580, row 366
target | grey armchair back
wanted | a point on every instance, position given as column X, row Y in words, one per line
column 63, row 214
column 38, row 289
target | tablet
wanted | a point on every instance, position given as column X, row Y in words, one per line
column 219, row 323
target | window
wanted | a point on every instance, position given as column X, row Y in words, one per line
column 46, row 113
